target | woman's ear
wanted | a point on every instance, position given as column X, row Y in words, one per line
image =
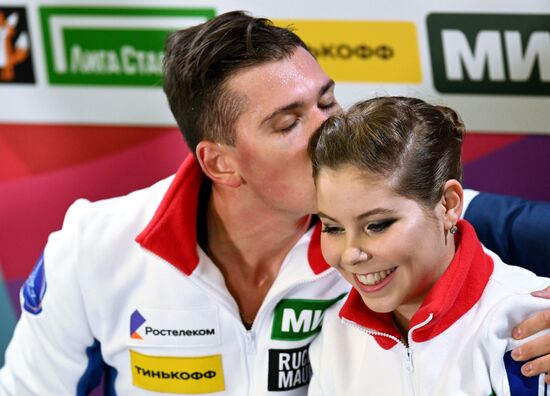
column 452, row 202
column 217, row 162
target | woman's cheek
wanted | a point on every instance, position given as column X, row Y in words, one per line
column 330, row 251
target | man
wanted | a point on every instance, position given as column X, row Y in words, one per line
column 212, row 281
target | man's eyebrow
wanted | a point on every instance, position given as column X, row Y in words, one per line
column 326, row 87
column 295, row 105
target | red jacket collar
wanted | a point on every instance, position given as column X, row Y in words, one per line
column 172, row 232
column 458, row 290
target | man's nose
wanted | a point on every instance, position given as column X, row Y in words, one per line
column 317, row 118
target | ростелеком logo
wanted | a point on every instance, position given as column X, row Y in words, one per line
column 136, row 321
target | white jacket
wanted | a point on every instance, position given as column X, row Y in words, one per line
column 459, row 339
column 155, row 312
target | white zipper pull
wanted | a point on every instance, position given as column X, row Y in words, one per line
column 408, row 361
column 250, row 342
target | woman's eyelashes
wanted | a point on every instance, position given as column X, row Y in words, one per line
column 370, row 228
column 332, row 230
column 379, row 226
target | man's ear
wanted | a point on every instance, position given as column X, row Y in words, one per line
column 452, row 201
column 217, row 162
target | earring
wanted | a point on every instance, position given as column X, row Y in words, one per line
column 453, row 229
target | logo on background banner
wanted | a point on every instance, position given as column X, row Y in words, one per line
column 34, row 288
column 490, row 53
column 298, row 319
column 362, row 51
column 15, row 50
column 136, row 321
column 181, row 375
column 111, row 46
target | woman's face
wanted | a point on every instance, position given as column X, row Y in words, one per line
column 391, row 249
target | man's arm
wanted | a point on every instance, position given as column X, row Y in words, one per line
column 52, row 350
column 518, row 231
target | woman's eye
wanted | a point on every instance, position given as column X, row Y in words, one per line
column 380, row 226
column 331, row 230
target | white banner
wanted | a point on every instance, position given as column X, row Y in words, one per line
column 92, row 63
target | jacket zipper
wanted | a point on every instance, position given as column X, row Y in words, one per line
column 250, row 339
column 409, row 363
column 270, row 305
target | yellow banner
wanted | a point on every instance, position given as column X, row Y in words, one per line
column 185, row 375
column 360, row 51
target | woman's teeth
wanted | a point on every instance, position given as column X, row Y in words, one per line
column 374, row 277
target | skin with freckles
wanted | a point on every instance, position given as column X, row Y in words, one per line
column 372, row 229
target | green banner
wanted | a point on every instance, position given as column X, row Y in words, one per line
column 504, row 54
column 95, row 46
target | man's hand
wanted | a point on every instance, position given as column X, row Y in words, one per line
column 538, row 348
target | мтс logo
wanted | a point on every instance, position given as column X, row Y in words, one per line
column 111, row 46
column 15, row 59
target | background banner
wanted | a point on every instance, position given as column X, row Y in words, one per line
column 82, row 113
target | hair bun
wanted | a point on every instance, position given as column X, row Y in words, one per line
column 450, row 116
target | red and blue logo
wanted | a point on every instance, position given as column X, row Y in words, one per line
column 136, row 321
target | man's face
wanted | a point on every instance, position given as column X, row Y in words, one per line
column 286, row 101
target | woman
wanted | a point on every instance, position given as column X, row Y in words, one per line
column 430, row 310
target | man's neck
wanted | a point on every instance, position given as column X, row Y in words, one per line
column 248, row 242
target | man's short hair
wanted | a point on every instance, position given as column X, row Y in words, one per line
column 199, row 61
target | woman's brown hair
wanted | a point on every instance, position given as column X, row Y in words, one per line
column 412, row 144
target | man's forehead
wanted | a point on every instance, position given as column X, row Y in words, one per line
column 300, row 69
column 277, row 84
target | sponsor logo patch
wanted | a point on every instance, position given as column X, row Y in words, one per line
column 192, row 328
column 34, row 288
column 362, row 51
column 15, row 47
column 298, row 319
column 495, row 54
column 520, row 384
column 111, row 46
column 136, row 321
column 180, row 375
column 288, row 368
